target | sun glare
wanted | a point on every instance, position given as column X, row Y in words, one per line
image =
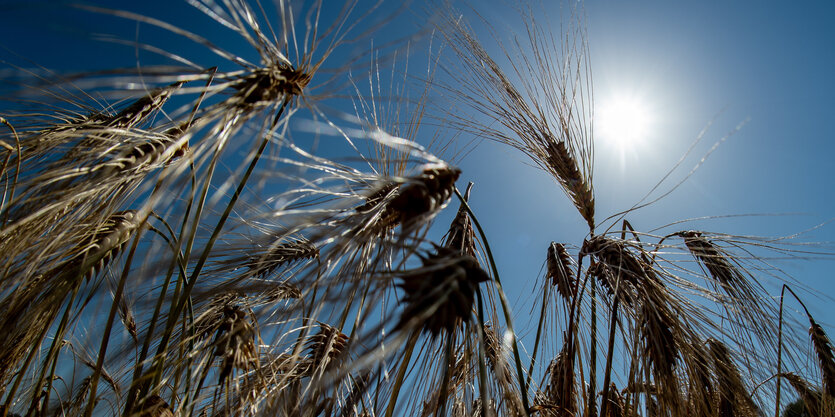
column 622, row 122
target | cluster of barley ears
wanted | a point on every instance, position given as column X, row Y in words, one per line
column 176, row 242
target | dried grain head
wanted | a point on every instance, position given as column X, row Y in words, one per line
column 327, row 348
column 235, row 342
column 701, row 389
column 408, row 203
column 439, row 296
column 105, row 243
column 213, row 314
column 617, row 404
column 826, row 359
column 559, row 270
column 621, row 262
column 461, row 235
column 155, row 406
column 268, row 85
column 127, row 319
column 811, row 397
column 140, row 109
column 281, row 254
column 718, row 264
column 540, row 108
column 733, row 398
column 565, row 167
column 561, row 393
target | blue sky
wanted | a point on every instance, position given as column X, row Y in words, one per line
column 694, row 65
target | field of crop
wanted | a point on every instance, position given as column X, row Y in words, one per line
column 244, row 207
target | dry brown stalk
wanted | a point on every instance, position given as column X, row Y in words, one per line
column 826, row 359
column 560, row 271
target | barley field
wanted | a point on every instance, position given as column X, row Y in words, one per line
column 253, row 207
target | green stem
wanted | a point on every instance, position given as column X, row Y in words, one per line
column 592, row 401
column 442, row 395
column 505, row 308
column 482, row 367
column 94, row 379
column 192, row 280
column 539, row 327
column 401, row 373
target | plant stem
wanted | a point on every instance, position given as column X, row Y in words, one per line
column 505, row 308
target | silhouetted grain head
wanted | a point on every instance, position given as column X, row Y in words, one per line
column 439, row 296
column 461, row 235
column 701, row 389
column 327, row 348
column 155, row 406
column 811, row 398
column 268, row 85
column 235, row 342
column 406, row 204
column 657, row 327
column 617, row 257
column 617, row 404
column 826, row 359
column 105, row 243
column 603, row 275
column 717, row 263
column 561, row 393
column 560, row 271
column 733, row 398
column 282, row 253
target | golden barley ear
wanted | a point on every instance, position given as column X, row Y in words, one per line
column 617, row 404
column 461, row 235
column 560, row 271
column 327, row 349
column 826, row 359
column 281, row 254
column 235, row 342
column 105, row 244
column 561, row 393
column 811, row 398
column 565, row 166
column 733, row 398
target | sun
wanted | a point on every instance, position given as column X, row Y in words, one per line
column 623, row 121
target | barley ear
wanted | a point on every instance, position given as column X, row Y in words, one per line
column 826, row 359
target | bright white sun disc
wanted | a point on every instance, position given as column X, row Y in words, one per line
column 623, row 121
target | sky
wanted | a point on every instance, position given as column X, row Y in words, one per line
column 753, row 76
column 693, row 66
